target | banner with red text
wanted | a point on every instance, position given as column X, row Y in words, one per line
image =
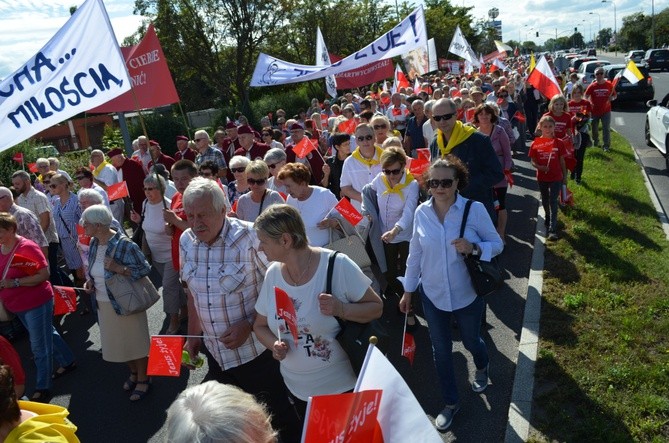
column 64, row 300
column 165, row 356
column 348, row 211
column 364, row 75
column 117, row 191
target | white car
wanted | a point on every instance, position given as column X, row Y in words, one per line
column 657, row 126
column 586, row 72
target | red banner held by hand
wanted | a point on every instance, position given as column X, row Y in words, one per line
column 346, row 209
column 64, row 300
column 165, row 356
column 286, row 310
column 409, row 347
column 117, row 191
column 303, row 148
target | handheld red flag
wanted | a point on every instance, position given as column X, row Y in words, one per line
column 165, row 356
column 519, row 116
column 32, row 167
column 509, row 177
column 543, row 80
column 346, row 209
column 286, row 310
column 424, row 154
column 83, row 238
column 348, row 417
column 26, row 265
column 64, row 300
column 303, row 148
column 409, row 347
column 418, row 166
column 348, row 126
column 570, row 156
column 469, row 114
column 566, row 196
column 543, row 144
column 18, row 157
column 117, row 191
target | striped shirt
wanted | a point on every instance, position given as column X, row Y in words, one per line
column 225, row 279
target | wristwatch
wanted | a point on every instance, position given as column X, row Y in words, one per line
column 476, row 251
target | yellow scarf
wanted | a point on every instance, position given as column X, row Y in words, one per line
column 372, row 161
column 101, row 166
column 408, row 178
column 460, row 133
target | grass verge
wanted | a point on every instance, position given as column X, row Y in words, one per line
column 603, row 368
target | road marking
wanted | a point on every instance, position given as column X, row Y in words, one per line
column 619, row 121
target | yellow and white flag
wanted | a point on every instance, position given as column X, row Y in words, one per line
column 632, row 73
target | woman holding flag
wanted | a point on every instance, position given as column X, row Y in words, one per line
column 312, row 361
column 26, row 291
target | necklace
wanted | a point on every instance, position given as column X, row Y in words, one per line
column 296, row 281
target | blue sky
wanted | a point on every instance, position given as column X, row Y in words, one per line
column 26, row 25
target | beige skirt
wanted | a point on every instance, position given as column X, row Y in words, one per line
column 124, row 337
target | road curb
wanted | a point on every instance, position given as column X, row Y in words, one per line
column 520, row 408
column 653, row 195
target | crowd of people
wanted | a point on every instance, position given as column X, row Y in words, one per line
column 229, row 217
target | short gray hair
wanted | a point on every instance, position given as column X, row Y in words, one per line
column 202, row 133
column 90, row 195
column 54, row 161
column 95, row 152
column 201, row 187
column 153, row 179
column 239, row 161
column 42, row 161
column 97, row 214
column 215, row 412
column 428, row 105
column 275, row 155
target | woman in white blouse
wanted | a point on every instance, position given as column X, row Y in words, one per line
column 436, row 263
column 361, row 166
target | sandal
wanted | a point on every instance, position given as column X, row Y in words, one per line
column 64, row 370
column 129, row 384
column 41, row 396
column 138, row 395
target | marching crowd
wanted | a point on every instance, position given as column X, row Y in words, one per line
column 228, row 218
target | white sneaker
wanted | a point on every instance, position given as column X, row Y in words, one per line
column 445, row 417
column 480, row 380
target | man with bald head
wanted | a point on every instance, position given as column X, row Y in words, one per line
column 470, row 146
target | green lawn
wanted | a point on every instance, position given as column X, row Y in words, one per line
column 603, row 367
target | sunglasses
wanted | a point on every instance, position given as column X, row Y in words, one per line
column 445, row 183
column 206, row 174
column 253, row 181
column 362, row 138
column 444, row 117
column 238, row 169
column 380, row 126
column 392, row 171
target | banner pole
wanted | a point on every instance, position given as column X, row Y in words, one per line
column 183, row 115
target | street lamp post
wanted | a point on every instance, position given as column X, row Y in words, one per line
column 599, row 30
column 652, row 22
column 615, row 23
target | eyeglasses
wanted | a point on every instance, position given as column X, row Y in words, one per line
column 238, row 169
column 392, row 171
column 253, row 181
column 149, row 189
column 445, row 183
column 273, row 165
column 205, row 174
column 80, row 177
column 380, row 126
column 438, row 118
column 362, row 138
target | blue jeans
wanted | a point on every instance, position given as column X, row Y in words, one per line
column 469, row 324
column 45, row 342
column 606, row 129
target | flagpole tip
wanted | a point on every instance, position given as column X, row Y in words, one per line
column 373, row 340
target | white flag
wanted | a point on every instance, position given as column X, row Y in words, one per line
column 459, row 46
column 323, row 59
column 80, row 68
column 400, row 415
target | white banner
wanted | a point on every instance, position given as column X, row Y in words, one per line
column 80, row 68
column 432, row 56
column 459, row 46
column 409, row 34
column 323, row 59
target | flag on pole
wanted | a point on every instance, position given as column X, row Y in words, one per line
column 502, row 47
column 348, row 211
column 348, row 126
column 416, row 86
column 533, row 62
column 165, row 355
column 516, row 52
column 64, row 300
column 632, row 73
column 385, row 86
column 500, row 64
column 400, row 416
column 424, row 153
column 417, row 166
column 286, row 310
column 323, row 59
column 303, row 147
column 32, row 167
column 543, row 80
column 117, row 191
column 409, row 347
column 460, row 46
column 400, row 80
column 18, row 157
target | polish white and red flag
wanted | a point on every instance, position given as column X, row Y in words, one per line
column 400, row 80
column 543, row 80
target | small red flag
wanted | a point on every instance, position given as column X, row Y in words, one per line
column 303, row 148
column 83, row 238
column 409, row 347
column 566, row 196
column 324, row 118
column 32, row 167
column 64, row 300
column 165, row 356
column 519, row 116
column 424, row 154
column 509, row 177
column 117, row 191
column 286, row 310
column 469, row 114
column 570, row 157
column 346, row 209
column 418, row 166
column 18, row 157
column 543, row 144
column 26, row 265
column 348, row 126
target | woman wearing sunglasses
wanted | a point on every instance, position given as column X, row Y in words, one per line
column 436, row 262
column 252, row 204
column 362, row 166
column 391, row 199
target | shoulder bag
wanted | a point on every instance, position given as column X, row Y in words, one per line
column 353, row 337
column 130, row 296
column 352, row 246
column 486, row 276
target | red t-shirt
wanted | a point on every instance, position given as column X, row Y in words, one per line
column 599, row 96
column 11, row 358
column 28, row 259
column 563, row 124
column 178, row 208
column 550, row 157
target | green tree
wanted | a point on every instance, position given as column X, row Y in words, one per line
column 604, row 37
column 635, row 32
column 441, row 19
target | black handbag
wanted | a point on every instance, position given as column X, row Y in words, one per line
column 486, row 275
column 353, row 336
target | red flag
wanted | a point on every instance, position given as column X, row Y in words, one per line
column 516, row 52
column 409, row 347
column 469, row 114
column 570, row 157
column 418, row 166
column 519, row 116
column 324, row 118
column 400, row 79
column 64, row 300
column 346, row 209
column 286, row 310
column 543, row 79
column 83, row 238
column 165, row 356
column 348, row 126
column 543, row 144
column 32, row 167
column 482, row 69
column 509, row 177
column 424, row 154
column 117, row 191
column 303, row 148
column 348, row 417
column 18, row 157
column 27, row 265
column 416, row 87
column 566, row 196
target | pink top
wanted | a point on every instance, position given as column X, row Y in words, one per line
column 28, row 259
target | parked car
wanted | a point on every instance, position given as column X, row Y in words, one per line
column 628, row 92
column 578, row 61
column 636, row 56
column 657, row 126
column 586, row 72
column 657, row 59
